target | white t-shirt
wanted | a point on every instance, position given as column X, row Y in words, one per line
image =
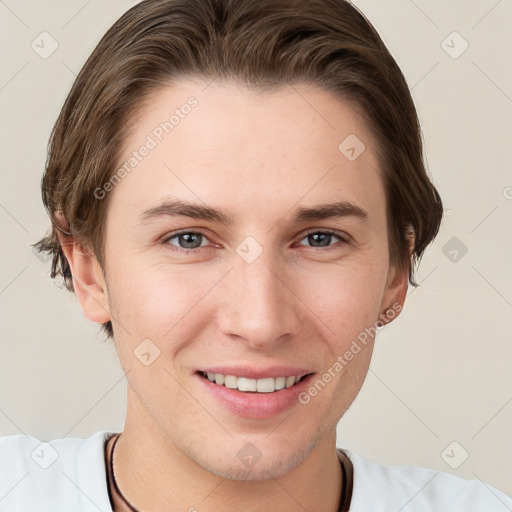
column 69, row 475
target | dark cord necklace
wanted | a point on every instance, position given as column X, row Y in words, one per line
column 133, row 509
column 126, row 502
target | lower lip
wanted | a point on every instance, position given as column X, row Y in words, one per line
column 256, row 405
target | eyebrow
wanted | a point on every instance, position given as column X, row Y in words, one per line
column 176, row 208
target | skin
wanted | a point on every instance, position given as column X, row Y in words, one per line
column 258, row 157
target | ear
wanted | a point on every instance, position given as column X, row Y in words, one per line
column 394, row 296
column 88, row 281
column 396, row 290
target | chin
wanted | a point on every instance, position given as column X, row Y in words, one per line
column 243, row 460
column 261, row 470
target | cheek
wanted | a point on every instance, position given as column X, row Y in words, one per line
column 347, row 299
column 347, row 304
column 158, row 302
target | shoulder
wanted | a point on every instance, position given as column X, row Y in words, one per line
column 57, row 475
column 382, row 488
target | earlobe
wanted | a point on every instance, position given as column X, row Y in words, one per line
column 88, row 281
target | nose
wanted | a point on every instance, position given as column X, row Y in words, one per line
column 259, row 304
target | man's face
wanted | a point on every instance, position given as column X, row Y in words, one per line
column 265, row 295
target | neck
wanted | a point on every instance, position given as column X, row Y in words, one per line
column 153, row 473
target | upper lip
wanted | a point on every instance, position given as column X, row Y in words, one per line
column 250, row 372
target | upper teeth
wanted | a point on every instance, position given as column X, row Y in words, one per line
column 266, row 385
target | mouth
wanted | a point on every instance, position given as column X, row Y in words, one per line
column 256, row 394
column 248, row 385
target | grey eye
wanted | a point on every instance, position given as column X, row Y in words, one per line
column 188, row 240
column 321, row 238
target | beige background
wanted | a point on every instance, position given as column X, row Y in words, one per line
column 441, row 372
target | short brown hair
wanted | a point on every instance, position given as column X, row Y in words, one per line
column 263, row 44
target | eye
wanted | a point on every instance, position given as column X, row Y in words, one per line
column 187, row 240
column 320, row 239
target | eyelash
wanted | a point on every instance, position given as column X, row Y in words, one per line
column 312, row 232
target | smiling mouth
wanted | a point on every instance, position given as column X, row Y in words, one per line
column 265, row 385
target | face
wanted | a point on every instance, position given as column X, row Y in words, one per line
column 222, row 259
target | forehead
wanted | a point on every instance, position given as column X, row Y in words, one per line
column 221, row 142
